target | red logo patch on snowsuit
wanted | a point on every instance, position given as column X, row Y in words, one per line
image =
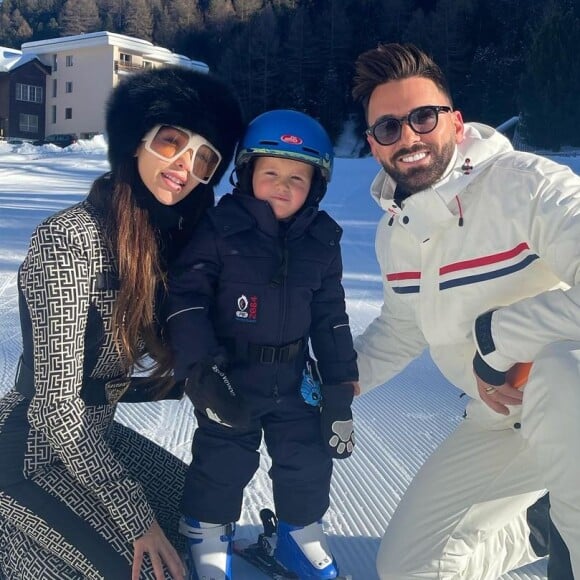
column 247, row 310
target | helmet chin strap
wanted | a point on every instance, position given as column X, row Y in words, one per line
column 317, row 189
column 243, row 183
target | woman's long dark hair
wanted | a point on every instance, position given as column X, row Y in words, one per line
column 135, row 244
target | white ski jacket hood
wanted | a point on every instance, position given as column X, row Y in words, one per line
column 499, row 231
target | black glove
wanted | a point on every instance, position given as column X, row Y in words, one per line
column 336, row 419
column 212, row 393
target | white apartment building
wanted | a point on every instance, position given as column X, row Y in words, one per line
column 84, row 69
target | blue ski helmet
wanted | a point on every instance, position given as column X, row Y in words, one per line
column 288, row 134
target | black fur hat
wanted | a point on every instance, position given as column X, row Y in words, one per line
column 172, row 95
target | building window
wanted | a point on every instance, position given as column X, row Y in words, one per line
column 125, row 58
column 68, row 113
column 69, row 60
column 54, row 63
column 28, row 93
column 53, row 114
column 54, row 88
column 147, row 64
column 68, row 87
column 28, row 123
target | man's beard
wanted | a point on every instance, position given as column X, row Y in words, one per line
column 420, row 178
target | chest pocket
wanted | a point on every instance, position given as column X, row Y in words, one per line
column 306, row 271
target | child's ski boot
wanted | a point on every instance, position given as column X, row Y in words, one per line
column 305, row 551
column 209, row 549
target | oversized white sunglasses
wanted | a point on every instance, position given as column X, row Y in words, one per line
column 169, row 143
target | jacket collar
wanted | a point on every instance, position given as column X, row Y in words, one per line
column 258, row 213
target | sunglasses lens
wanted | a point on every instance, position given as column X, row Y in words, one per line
column 387, row 131
column 205, row 163
column 169, row 141
column 423, row 119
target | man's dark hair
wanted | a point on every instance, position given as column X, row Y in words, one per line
column 393, row 62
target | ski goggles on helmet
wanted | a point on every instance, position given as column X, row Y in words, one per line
column 387, row 130
column 169, row 143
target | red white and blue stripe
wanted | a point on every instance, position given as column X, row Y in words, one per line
column 470, row 271
column 405, row 282
column 486, row 267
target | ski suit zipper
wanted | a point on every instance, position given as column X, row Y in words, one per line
column 279, row 280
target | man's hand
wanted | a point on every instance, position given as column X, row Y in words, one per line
column 498, row 397
column 212, row 393
column 161, row 552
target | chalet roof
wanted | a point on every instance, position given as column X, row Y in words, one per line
column 91, row 39
column 11, row 58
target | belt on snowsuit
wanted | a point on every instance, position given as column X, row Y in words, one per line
column 93, row 391
column 262, row 353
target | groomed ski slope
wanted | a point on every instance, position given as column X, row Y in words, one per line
column 397, row 425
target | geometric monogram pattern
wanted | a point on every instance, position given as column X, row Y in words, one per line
column 109, row 475
column 29, row 548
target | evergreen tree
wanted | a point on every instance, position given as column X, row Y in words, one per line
column 113, row 15
column 418, row 31
column 292, row 90
column 14, row 27
column 300, row 53
column 332, row 66
column 368, row 22
column 174, row 22
column 245, row 9
column 42, row 16
column 489, row 91
column 551, row 83
column 139, row 20
column 219, row 11
column 452, row 44
column 250, row 62
column 78, row 16
column 47, row 30
column 399, row 14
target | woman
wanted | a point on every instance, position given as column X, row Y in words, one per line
column 80, row 495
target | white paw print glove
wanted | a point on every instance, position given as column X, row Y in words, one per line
column 336, row 419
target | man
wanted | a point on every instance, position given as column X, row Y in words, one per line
column 479, row 257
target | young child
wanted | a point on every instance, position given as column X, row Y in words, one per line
column 258, row 284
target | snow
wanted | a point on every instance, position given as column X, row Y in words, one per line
column 397, row 425
column 11, row 58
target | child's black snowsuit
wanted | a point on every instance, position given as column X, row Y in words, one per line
column 258, row 290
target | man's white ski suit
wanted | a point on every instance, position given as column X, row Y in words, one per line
column 500, row 231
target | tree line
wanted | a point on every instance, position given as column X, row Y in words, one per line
column 502, row 57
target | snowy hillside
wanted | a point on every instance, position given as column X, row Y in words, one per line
column 397, row 425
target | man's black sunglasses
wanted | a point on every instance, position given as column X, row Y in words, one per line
column 387, row 130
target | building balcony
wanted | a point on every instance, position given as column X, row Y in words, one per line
column 126, row 68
